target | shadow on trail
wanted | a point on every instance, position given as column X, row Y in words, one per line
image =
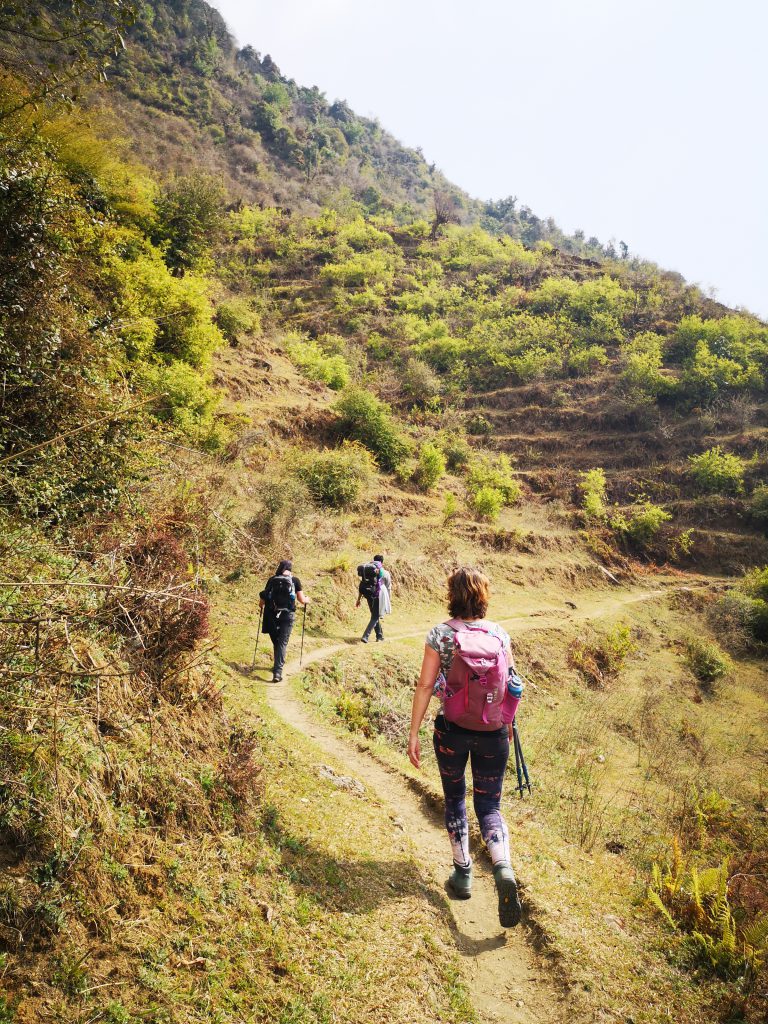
column 346, row 886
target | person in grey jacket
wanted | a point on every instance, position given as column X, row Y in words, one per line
column 373, row 577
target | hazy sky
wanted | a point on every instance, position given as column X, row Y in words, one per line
column 642, row 120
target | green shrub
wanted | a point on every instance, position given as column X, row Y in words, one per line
column 308, row 355
column 236, row 317
column 365, row 418
column 718, row 471
column 641, row 522
column 457, row 453
column 478, row 425
column 580, row 362
column 494, row 472
column 430, row 467
column 283, row 502
column 758, row 504
column 696, row 902
column 603, row 658
column 642, row 359
column 188, row 402
column 450, row 508
column 706, row 660
column 336, row 476
column 593, row 487
column 487, row 502
column 741, row 621
column 420, row 382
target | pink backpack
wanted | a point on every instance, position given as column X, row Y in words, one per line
column 476, row 695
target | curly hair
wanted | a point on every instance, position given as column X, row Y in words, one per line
column 469, row 591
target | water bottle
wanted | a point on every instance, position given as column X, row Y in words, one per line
column 515, row 685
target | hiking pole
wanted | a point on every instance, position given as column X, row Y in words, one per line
column 518, row 767
column 258, row 634
column 303, row 626
column 522, row 767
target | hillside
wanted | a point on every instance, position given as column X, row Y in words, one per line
column 183, row 87
column 238, row 322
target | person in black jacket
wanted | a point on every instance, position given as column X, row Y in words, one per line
column 278, row 599
column 373, row 578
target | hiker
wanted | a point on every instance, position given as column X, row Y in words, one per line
column 376, row 587
column 278, row 599
column 467, row 663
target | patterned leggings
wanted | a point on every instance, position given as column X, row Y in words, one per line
column 487, row 753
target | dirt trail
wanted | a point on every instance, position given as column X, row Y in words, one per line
column 509, row 981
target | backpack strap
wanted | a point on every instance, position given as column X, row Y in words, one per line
column 457, row 624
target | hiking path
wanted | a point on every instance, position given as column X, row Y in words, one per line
column 511, row 981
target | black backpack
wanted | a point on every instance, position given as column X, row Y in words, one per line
column 369, row 582
column 280, row 594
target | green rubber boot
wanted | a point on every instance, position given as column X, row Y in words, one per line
column 460, row 882
column 510, row 910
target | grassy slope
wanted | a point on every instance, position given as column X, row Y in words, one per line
column 617, row 769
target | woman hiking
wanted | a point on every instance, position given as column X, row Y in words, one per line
column 467, row 661
column 278, row 599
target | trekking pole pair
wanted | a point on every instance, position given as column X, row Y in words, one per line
column 523, row 781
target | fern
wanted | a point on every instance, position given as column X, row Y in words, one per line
column 655, row 900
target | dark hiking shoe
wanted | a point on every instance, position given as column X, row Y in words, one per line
column 277, row 679
column 363, row 639
column 379, row 639
column 460, row 882
column 510, row 910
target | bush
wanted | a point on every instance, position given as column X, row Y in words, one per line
column 758, row 505
column 717, row 471
column 308, row 355
column 450, row 508
column 188, row 403
column 487, row 503
column 283, row 502
column 642, row 522
column 494, row 472
column 234, row 318
column 420, row 382
column 190, row 213
column 478, row 425
column 593, row 488
column 741, row 621
column 642, row 358
column 706, row 660
column 602, row 659
column 457, row 453
column 430, row 467
column 367, row 419
column 335, row 477
column 755, row 584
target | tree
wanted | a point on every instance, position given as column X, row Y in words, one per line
column 53, row 44
column 190, row 211
column 446, row 211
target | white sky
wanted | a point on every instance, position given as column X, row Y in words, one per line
column 642, row 120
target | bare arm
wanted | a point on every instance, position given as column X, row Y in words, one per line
column 430, row 666
column 302, row 598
